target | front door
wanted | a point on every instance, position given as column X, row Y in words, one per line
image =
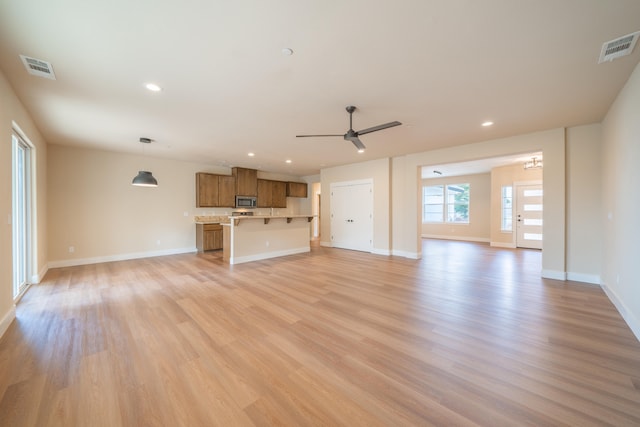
column 529, row 216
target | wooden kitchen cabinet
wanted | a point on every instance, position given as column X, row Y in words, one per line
column 272, row 194
column 208, row 237
column 246, row 181
column 278, row 194
column 226, row 191
column 296, row 189
column 265, row 196
column 215, row 190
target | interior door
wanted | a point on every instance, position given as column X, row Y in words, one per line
column 529, row 216
column 352, row 216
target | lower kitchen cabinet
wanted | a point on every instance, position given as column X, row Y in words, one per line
column 208, row 237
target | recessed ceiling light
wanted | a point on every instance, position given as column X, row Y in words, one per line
column 153, row 87
column 287, row 51
column 360, row 150
column 288, row 161
column 251, row 154
column 487, row 124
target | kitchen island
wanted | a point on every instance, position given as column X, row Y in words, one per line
column 253, row 238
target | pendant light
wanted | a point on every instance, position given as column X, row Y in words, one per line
column 144, row 178
column 534, row 163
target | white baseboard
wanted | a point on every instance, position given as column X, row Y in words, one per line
column 553, row 274
column 38, row 277
column 381, row 252
column 119, row 257
column 267, row 255
column 593, row 279
column 406, row 254
column 459, row 238
column 7, row 319
column 502, row 245
column 627, row 315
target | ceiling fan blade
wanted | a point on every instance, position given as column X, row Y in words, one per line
column 379, row 127
column 310, row 136
column 356, row 141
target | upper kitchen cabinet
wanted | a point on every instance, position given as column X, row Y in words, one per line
column 272, row 194
column 214, row 190
column 246, row 181
column 278, row 194
column 296, row 189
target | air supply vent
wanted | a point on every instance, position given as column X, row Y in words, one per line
column 618, row 47
column 38, row 67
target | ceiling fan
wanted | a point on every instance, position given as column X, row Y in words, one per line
column 352, row 135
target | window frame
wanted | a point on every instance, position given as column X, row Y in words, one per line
column 448, row 204
column 503, row 209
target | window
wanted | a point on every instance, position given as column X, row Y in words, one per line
column 446, row 203
column 433, row 202
column 507, row 209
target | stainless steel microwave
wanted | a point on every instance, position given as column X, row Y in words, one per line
column 246, row 202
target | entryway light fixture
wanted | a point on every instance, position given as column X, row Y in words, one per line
column 533, row 163
column 144, row 178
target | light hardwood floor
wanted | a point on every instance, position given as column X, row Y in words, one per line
column 469, row 335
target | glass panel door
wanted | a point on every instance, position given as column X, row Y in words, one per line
column 20, row 217
column 529, row 216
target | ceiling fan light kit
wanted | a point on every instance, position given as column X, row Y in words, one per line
column 352, row 135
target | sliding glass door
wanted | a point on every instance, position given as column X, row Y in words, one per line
column 21, row 214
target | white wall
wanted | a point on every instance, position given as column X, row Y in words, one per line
column 12, row 111
column 377, row 170
column 94, row 208
column 621, row 201
column 478, row 228
column 584, row 204
column 406, row 184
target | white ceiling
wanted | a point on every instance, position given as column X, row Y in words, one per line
column 476, row 166
column 441, row 67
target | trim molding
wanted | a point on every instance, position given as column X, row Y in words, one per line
column 407, row 254
column 553, row 274
column 503, row 245
column 267, row 255
column 594, row 279
column 627, row 315
column 120, row 257
column 386, row 252
column 461, row 238
column 7, row 319
column 35, row 279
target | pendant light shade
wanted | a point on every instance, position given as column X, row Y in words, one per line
column 144, row 179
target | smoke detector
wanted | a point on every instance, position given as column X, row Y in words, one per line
column 38, row 67
column 619, row 47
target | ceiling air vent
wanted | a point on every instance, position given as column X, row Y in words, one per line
column 618, row 47
column 38, row 67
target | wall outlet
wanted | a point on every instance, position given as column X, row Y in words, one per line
column 158, row 242
column 72, row 249
column 267, row 243
column 186, row 213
